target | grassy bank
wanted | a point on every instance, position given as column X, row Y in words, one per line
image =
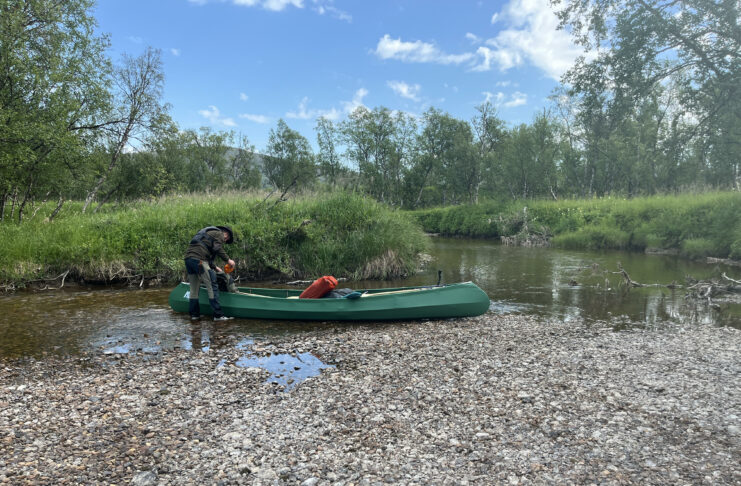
column 348, row 236
column 693, row 225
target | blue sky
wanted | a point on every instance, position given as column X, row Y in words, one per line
column 242, row 65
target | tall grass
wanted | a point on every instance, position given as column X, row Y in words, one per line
column 348, row 236
column 694, row 225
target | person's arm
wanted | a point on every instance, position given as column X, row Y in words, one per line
column 218, row 246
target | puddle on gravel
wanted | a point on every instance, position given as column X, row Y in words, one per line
column 286, row 370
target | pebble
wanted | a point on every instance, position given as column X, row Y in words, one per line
column 496, row 399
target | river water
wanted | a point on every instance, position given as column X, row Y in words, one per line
column 549, row 283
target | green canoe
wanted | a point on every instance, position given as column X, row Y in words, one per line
column 453, row 300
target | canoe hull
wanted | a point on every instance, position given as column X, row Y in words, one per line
column 454, row 300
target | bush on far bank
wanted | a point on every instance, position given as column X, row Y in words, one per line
column 696, row 225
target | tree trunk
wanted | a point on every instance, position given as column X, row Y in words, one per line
column 26, row 197
column 114, row 160
column 2, row 206
column 13, row 201
column 106, row 198
column 36, row 209
column 56, row 210
column 422, row 186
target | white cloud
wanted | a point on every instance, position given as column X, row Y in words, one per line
column 505, row 59
column 255, row 118
column 473, row 38
column 304, row 113
column 516, row 99
column 274, row 5
column 405, row 90
column 325, row 6
column 531, row 35
column 490, row 97
column 175, row 52
column 135, row 39
column 243, row 97
column 508, row 101
column 278, row 5
column 332, row 114
column 213, row 115
column 416, row 51
column 356, row 102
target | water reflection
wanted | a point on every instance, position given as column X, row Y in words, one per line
column 551, row 283
column 285, row 370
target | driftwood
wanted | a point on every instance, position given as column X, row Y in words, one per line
column 724, row 261
column 708, row 289
column 629, row 282
column 527, row 237
column 531, row 240
column 703, row 290
column 47, row 281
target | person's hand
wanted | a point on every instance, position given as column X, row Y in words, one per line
column 218, row 270
column 231, row 262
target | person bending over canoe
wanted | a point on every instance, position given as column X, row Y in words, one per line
column 205, row 246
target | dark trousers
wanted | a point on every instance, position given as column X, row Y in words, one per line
column 199, row 272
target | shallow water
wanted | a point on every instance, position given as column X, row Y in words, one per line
column 553, row 284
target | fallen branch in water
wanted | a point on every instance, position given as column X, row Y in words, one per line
column 729, row 278
column 64, row 276
column 724, row 261
column 707, row 289
column 632, row 283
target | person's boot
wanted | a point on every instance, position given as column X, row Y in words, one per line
column 194, row 309
column 218, row 312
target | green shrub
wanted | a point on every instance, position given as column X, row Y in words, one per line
column 666, row 222
column 594, row 238
column 347, row 235
column 698, row 248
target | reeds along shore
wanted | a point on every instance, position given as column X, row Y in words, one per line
column 340, row 234
column 693, row 225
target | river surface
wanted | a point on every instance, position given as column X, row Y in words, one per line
column 549, row 283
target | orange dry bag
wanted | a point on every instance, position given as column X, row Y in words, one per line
column 319, row 288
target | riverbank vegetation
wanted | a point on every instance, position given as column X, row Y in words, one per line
column 625, row 125
column 630, row 121
column 341, row 234
column 695, row 226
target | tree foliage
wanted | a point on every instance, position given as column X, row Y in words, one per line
column 681, row 61
column 289, row 160
column 53, row 96
column 652, row 107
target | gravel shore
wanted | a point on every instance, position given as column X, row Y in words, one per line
column 488, row 400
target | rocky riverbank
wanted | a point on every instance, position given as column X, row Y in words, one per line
column 488, row 400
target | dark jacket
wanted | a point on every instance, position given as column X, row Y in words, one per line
column 208, row 247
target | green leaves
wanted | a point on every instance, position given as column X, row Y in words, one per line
column 289, row 160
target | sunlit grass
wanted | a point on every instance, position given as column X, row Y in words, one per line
column 346, row 234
